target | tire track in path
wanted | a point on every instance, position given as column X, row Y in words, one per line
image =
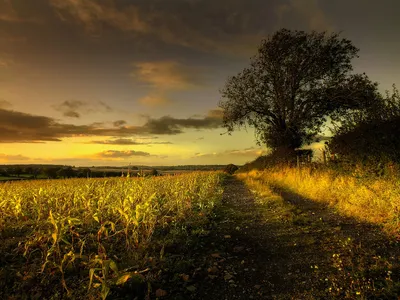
column 285, row 246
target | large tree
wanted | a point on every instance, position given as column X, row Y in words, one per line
column 295, row 81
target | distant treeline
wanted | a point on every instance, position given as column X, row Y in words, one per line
column 18, row 172
column 51, row 172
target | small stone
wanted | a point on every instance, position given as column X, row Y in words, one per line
column 228, row 276
column 216, row 255
column 257, row 286
column 161, row 293
column 238, row 249
column 213, row 270
column 185, row 277
column 191, row 288
column 227, row 236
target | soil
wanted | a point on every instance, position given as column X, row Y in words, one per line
column 285, row 247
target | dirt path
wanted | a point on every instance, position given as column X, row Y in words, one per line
column 284, row 247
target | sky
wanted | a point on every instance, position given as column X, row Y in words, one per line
column 118, row 82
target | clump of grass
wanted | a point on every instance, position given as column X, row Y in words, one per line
column 95, row 230
column 373, row 200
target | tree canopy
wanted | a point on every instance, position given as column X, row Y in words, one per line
column 370, row 134
column 295, row 81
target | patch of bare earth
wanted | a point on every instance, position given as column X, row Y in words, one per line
column 284, row 247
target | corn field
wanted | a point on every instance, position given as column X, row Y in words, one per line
column 94, row 233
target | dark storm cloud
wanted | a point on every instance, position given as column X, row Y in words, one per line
column 128, row 142
column 10, row 13
column 225, row 26
column 17, row 127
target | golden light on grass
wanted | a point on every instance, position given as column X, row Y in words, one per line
column 101, row 225
column 370, row 200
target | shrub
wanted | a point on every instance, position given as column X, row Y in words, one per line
column 230, row 169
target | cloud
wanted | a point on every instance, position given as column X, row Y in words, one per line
column 248, row 152
column 306, row 12
column 18, row 127
column 128, row 142
column 165, row 75
column 5, row 104
column 119, row 123
column 6, row 157
column 74, row 108
column 121, row 154
column 154, row 101
column 226, row 27
column 170, row 125
column 70, row 108
column 8, row 13
column 105, row 106
column 71, row 114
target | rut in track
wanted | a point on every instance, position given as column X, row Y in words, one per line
column 283, row 247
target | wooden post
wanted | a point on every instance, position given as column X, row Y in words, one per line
column 324, row 156
column 298, row 162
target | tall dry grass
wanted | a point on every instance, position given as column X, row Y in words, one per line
column 373, row 200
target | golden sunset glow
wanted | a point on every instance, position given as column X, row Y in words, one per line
column 96, row 82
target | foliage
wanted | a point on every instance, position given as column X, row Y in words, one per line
column 370, row 135
column 97, row 232
column 230, row 169
column 292, row 84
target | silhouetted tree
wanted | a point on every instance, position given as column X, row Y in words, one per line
column 4, row 172
column 371, row 134
column 50, row 172
column 295, row 81
column 66, row 172
column 28, row 170
column 383, row 109
column 230, row 169
column 87, row 172
column 35, row 172
column 18, row 171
